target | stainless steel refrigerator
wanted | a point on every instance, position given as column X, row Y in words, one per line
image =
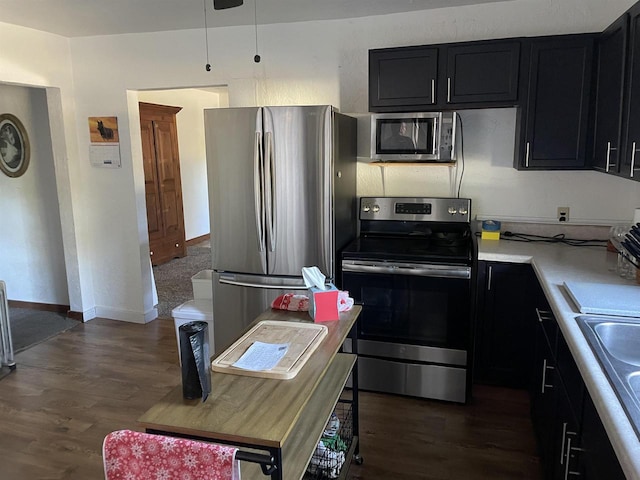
column 282, row 196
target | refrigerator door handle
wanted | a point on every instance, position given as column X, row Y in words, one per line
column 327, row 233
column 257, row 189
column 276, row 283
column 270, row 191
column 274, row 287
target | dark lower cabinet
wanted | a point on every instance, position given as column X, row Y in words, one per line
column 543, row 391
column 514, row 321
column 504, row 328
column 599, row 459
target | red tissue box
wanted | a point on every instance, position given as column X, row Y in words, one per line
column 323, row 304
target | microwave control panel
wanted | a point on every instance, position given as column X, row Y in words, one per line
column 447, row 136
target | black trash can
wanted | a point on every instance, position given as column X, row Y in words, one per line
column 194, row 355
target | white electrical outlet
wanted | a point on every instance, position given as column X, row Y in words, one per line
column 563, row 214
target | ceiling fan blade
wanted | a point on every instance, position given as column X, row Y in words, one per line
column 222, row 4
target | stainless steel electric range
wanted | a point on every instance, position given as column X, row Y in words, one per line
column 411, row 270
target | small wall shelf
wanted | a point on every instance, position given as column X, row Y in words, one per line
column 412, row 164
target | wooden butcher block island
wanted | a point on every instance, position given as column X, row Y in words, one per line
column 282, row 418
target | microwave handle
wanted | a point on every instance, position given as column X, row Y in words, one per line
column 434, row 133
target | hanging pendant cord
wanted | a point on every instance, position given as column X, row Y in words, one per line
column 206, row 35
column 256, row 58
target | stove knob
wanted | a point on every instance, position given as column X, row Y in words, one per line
column 365, row 208
column 376, row 208
column 452, row 210
column 462, row 211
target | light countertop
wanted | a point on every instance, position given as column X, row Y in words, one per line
column 555, row 264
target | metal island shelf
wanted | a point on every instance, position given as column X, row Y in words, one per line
column 276, row 423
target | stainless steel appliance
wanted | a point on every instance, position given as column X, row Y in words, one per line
column 413, row 137
column 411, row 269
column 282, row 184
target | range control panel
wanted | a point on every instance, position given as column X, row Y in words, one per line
column 425, row 209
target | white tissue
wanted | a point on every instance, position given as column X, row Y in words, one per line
column 313, row 277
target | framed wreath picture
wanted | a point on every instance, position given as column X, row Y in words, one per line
column 14, row 146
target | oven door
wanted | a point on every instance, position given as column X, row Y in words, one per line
column 411, row 304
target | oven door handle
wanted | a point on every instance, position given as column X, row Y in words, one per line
column 416, row 269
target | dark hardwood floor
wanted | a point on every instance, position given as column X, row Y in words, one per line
column 70, row 391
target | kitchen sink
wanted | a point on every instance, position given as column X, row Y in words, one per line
column 616, row 344
column 621, row 340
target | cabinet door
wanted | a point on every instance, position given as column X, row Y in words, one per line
column 557, row 105
column 599, row 458
column 630, row 161
column 543, row 401
column 567, row 459
column 503, row 346
column 402, row 78
column 611, row 49
column 483, row 72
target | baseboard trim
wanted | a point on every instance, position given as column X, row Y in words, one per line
column 197, row 240
column 48, row 307
column 79, row 316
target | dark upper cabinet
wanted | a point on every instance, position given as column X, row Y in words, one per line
column 448, row 76
column 482, row 72
column 611, row 49
column 554, row 118
column 630, row 158
column 403, row 78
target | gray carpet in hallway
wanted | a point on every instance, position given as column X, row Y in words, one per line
column 173, row 279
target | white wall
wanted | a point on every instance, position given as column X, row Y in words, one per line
column 193, row 162
column 43, row 60
column 305, row 63
column 31, row 250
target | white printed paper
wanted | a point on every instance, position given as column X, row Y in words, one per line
column 262, row 356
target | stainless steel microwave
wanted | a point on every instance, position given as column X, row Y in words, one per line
column 413, row 137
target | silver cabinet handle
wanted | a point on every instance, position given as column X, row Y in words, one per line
column 633, row 159
column 545, row 367
column 564, row 437
column 570, row 449
column 526, row 157
column 489, row 278
column 543, row 315
column 609, row 164
column 448, row 89
column 433, row 90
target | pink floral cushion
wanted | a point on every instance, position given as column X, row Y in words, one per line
column 130, row 455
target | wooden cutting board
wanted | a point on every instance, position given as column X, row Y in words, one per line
column 303, row 339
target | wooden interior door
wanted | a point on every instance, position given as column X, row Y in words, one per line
column 163, row 188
